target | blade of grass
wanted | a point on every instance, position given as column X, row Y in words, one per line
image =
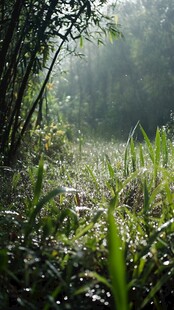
column 31, row 223
column 126, row 161
column 84, row 230
column 146, row 205
column 116, row 265
column 110, row 169
column 157, row 147
column 164, row 148
column 157, row 155
column 38, row 184
column 141, row 155
column 148, row 143
column 156, row 288
column 153, row 237
column 93, row 176
column 133, row 154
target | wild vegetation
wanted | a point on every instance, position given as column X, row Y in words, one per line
column 85, row 223
column 34, row 36
column 94, row 229
column 124, row 81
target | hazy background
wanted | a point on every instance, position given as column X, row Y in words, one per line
column 131, row 79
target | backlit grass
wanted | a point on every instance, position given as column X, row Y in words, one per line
column 94, row 232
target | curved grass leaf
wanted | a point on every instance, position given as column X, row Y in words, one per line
column 156, row 288
column 148, row 143
column 37, row 208
column 164, row 148
column 38, row 185
column 85, row 229
column 153, row 237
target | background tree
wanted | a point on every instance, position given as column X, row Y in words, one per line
column 130, row 79
column 31, row 32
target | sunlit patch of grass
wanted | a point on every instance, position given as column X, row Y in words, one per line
column 94, row 233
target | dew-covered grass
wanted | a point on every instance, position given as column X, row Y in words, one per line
column 94, row 230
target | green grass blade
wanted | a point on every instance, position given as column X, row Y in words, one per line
column 40, row 205
column 157, row 154
column 164, row 148
column 126, row 157
column 133, row 154
column 93, row 176
column 148, row 143
column 153, row 237
column 157, row 147
column 146, row 197
column 141, row 155
column 110, row 169
column 146, row 205
column 162, row 280
column 82, row 231
column 116, row 265
column 38, row 185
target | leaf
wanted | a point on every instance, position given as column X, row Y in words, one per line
column 133, row 154
column 81, row 41
column 154, row 236
column 148, row 143
column 116, row 265
column 157, row 147
column 41, row 203
column 38, row 185
column 3, row 259
column 93, row 176
column 164, row 148
column 85, row 229
column 146, row 197
column 141, row 155
column 110, row 169
column 162, row 280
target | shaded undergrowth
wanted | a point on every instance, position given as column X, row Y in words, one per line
column 94, row 233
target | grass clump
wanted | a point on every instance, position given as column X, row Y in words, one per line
column 96, row 233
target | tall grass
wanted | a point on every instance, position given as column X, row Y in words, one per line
column 98, row 235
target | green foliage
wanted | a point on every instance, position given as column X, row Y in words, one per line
column 126, row 80
column 86, row 233
column 116, row 264
column 33, row 38
column 51, row 139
